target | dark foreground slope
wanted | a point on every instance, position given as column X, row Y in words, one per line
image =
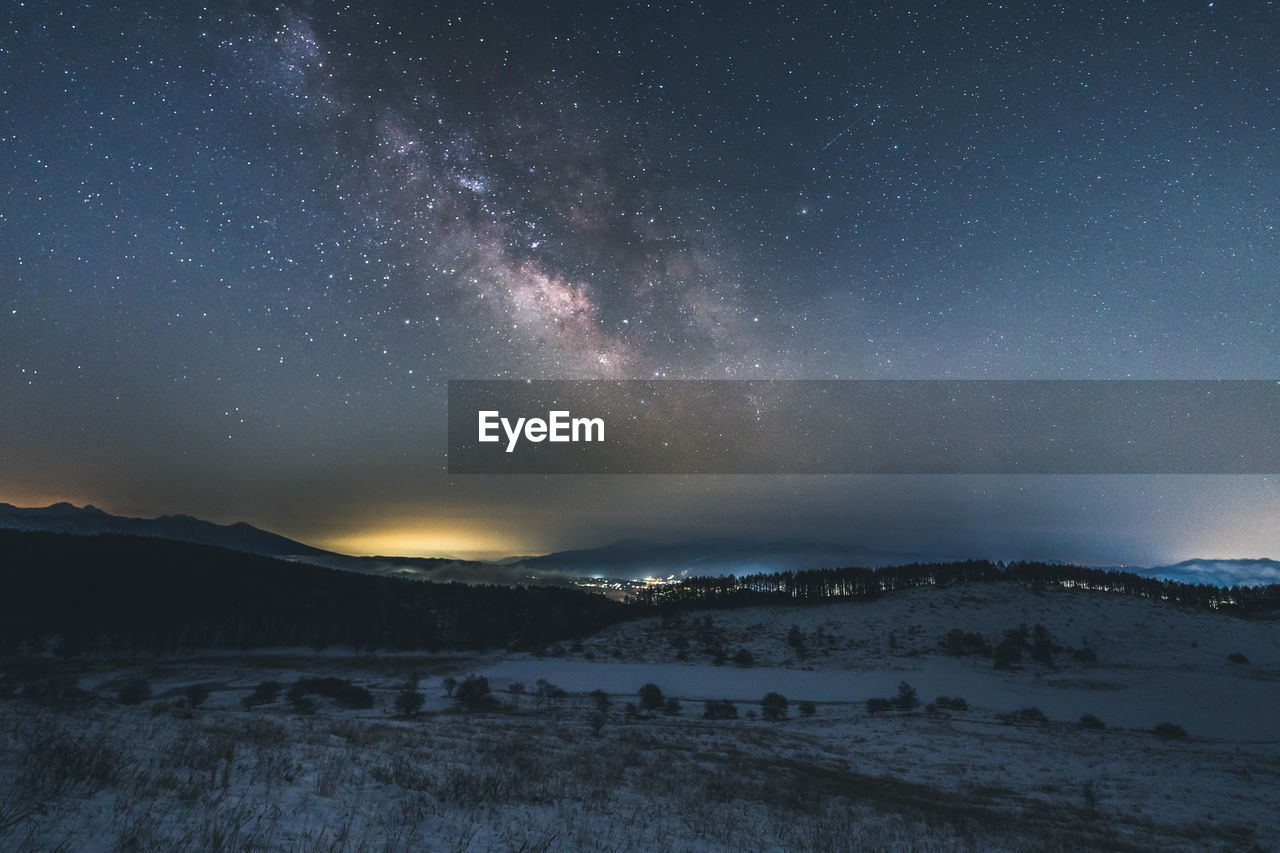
column 125, row 594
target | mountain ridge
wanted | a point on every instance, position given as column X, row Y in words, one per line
column 64, row 517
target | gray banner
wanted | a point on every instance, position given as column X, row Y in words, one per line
column 865, row 427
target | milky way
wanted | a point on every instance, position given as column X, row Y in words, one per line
column 242, row 249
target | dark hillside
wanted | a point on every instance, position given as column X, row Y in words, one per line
column 124, row 594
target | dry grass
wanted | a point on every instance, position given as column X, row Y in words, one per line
column 229, row 779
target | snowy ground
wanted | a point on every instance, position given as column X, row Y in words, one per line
column 534, row 774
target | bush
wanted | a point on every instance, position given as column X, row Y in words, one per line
column 302, row 703
column 744, row 658
column 135, row 691
column 906, row 699
column 601, row 700
column 1008, row 653
column 1170, row 731
column 950, row 703
column 650, row 697
column 474, row 692
column 1237, row 657
column 1032, row 715
column 409, row 702
column 264, row 694
column 672, row 707
column 1089, row 721
column 719, row 709
column 773, row 707
column 807, row 708
column 877, row 705
column 960, row 643
column 196, row 694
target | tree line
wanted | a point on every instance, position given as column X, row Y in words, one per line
column 818, row 585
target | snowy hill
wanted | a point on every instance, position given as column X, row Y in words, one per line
column 1258, row 572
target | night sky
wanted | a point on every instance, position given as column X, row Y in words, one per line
column 243, row 247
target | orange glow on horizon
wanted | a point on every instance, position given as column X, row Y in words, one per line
column 428, row 540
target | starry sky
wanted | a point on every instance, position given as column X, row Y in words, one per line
column 243, row 247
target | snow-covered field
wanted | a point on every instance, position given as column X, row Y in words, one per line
column 544, row 771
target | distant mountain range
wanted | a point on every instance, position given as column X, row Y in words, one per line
column 88, row 520
column 628, row 559
column 1256, row 572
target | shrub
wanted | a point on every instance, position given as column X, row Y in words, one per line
column 744, row 658
column 773, row 706
column 1170, row 731
column 1237, row 657
column 409, row 702
column 807, row 708
column 601, row 700
column 1008, row 653
column 1032, row 715
column 672, row 707
column 961, row 643
column 135, row 691
column 650, row 697
column 877, row 705
column 719, row 709
column 950, row 703
column 906, row 698
column 302, row 703
column 264, row 694
column 474, row 693
column 547, row 693
column 196, row 694
column 1089, row 721
column 516, row 688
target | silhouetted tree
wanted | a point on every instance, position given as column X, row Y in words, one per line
column 773, row 706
